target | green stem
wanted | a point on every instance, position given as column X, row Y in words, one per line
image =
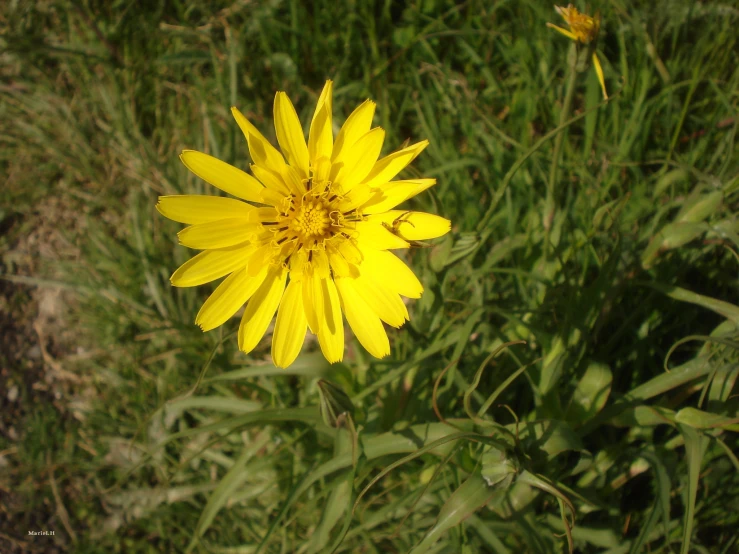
column 564, row 115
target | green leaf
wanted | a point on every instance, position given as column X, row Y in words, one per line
column 543, row 484
column 606, row 214
column 591, row 393
column 662, row 501
column 700, row 207
column 471, row 495
column 309, row 416
column 340, row 499
column 695, row 448
column 698, row 367
column 722, row 384
column 413, row 438
column 674, row 177
column 439, row 255
column 307, row 365
column 698, row 419
column 644, row 416
column 215, row 403
column 486, row 534
column 725, row 309
column 672, row 235
column 549, row 438
column 230, row 483
column 499, row 467
column 465, row 244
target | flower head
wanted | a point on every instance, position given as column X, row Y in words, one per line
column 583, row 30
column 308, row 236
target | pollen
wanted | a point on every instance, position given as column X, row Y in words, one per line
column 311, row 219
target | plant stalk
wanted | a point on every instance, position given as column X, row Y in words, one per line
column 549, row 206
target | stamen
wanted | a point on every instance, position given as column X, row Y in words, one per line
column 312, row 219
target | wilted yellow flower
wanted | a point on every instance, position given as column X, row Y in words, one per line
column 310, row 233
column 583, row 30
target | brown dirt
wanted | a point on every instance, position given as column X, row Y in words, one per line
column 34, row 336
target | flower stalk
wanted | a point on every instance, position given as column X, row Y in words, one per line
column 583, row 31
column 564, row 115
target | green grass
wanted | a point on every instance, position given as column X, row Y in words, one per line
column 622, row 401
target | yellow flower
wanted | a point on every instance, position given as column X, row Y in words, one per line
column 583, row 30
column 309, row 236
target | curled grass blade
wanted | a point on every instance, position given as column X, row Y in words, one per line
column 478, row 376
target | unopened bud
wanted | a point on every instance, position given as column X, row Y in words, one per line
column 335, row 404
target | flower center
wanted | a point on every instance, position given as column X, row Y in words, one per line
column 311, row 219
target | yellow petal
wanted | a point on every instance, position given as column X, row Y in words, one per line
column 259, row 259
column 262, row 215
column 331, row 328
column 260, row 149
column 261, row 308
column 356, row 125
column 194, row 209
column 218, row 234
column 385, row 303
column 321, row 174
column 319, row 262
column 350, row 251
column 270, row 179
column 413, row 225
column 221, row 175
column 359, row 160
column 358, row 196
column 389, row 166
column 321, row 136
column 290, row 327
column 293, row 180
column 340, row 266
column 372, row 234
column 364, row 322
column 290, row 134
column 599, row 73
column 394, row 193
column 565, row 32
column 226, row 300
column 388, row 270
column 272, row 197
column 313, row 301
column 211, row 265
